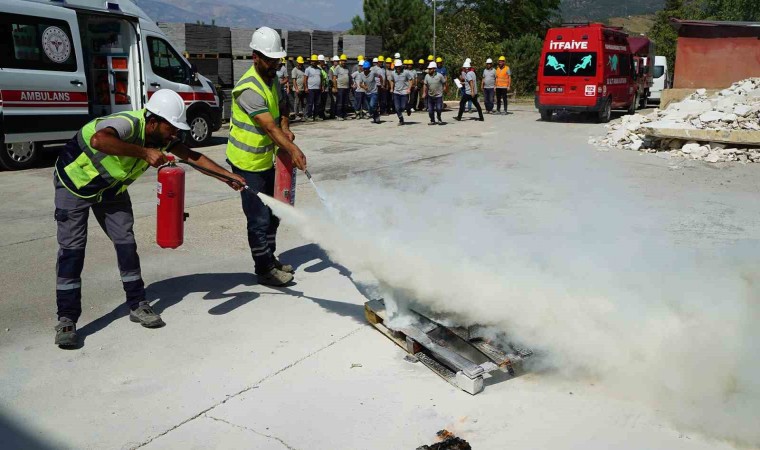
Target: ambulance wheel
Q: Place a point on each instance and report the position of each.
(634, 104)
(20, 155)
(200, 130)
(546, 115)
(606, 112)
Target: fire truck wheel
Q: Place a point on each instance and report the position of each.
(606, 112)
(20, 155)
(546, 115)
(200, 130)
(634, 104)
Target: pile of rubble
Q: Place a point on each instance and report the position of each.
(734, 109)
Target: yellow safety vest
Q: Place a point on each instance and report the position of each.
(249, 147)
(87, 173)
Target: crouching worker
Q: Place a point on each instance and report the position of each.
(93, 172)
(259, 125)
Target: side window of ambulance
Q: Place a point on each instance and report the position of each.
(36, 43)
(165, 62)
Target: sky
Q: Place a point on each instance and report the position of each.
(321, 12)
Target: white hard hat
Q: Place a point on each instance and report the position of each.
(432, 65)
(267, 42)
(467, 61)
(321, 58)
(397, 56)
(466, 65)
(168, 105)
(336, 58)
(398, 63)
(489, 61)
(374, 59)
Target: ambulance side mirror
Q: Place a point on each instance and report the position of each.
(193, 73)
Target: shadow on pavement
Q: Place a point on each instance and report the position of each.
(13, 436)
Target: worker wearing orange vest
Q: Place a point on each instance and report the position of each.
(503, 83)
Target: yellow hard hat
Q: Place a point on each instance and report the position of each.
(283, 59)
(299, 60)
(430, 57)
(380, 58)
(409, 61)
(439, 59)
(421, 61)
(343, 57)
(501, 58)
(360, 57)
(389, 59)
(313, 57)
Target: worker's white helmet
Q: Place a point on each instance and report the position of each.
(168, 105)
(336, 58)
(466, 65)
(374, 60)
(432, 65)
(467, 61)
(321, 58)
(397, 56)
(489, 61)
(267, 42)
(397, 63)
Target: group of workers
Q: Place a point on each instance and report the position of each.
(95, 168)
(387, 85)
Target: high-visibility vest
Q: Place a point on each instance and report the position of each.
(249, 147)
(88, 173)
(503, 78)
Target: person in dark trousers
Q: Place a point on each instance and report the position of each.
(389, 68)
(469, 81)
(313, 81)
(401, 83)
(433, 90)
(370, 80)
(360, 94)
(503, 84)
(488, 85)
(342, 83)
(380, 70)
(324, 95)
(421, 72)
(260, 126)
(93, 172)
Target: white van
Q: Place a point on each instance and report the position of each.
(64, 62)
(661, 78)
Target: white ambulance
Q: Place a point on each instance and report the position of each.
(64, 62)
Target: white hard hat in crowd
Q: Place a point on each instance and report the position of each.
(397, 63)
(336, 58)
(321, 58)
(397, 56)
(467, 61)
(466, 65)
(489, 61)
(168, 105)
(374, 59)
(267, 42)
(432, 65)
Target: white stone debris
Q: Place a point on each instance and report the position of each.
(735, 108)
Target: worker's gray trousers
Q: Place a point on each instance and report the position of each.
(114, 214)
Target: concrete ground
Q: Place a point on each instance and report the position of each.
(241, 365)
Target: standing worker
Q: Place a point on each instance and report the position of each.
(503, 83)
(297, 77)
(401, 82)
(93, 171)
(434, 89)
(325, 86)
(259, 128)
(488, 85)
(341, 80)
(333, 88)
(369, 81)
(360, 94)
(282, 76)
(379, 69)
(313, 82)
(418, 85)
(469, 80)
(388, 91)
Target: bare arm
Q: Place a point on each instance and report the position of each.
(266, 122)
(107, 141)
(207, 163)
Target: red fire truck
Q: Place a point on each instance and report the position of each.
(587, 68)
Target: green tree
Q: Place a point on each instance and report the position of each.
(523, 57)
(406, 26)
(510, 18)
(735, 10)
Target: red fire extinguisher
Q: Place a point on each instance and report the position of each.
(170, 211)
(285, 178)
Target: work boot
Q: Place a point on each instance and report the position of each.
(145, 316)
(275, 277)
(457, 118)
(432, 122)
(66, 333)
(284, 267)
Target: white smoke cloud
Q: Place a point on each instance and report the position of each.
(573, 267)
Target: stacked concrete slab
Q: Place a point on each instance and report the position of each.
(241, 40)
(322, 43)
(299, 43)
